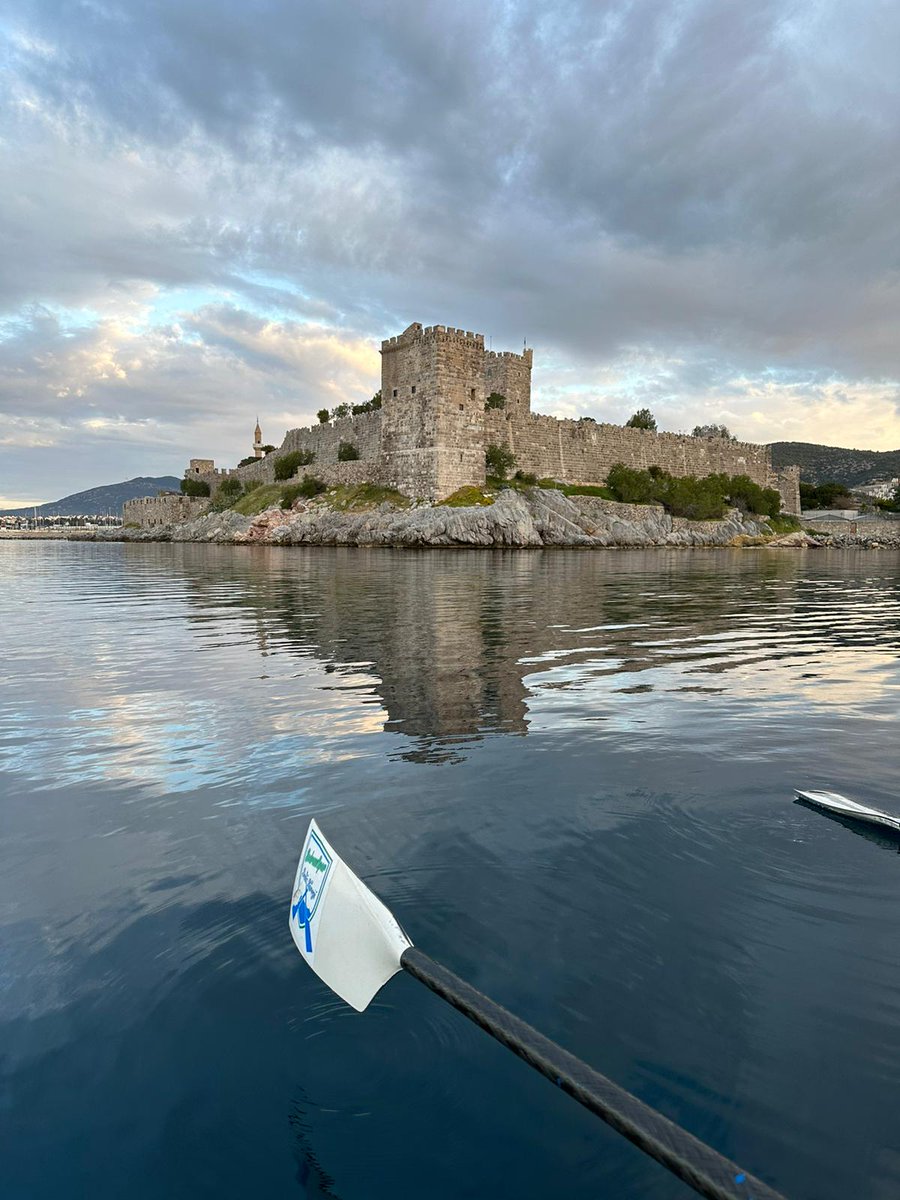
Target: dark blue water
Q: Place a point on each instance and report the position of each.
(568, 774)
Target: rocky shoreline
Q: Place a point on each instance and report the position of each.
(538, 517)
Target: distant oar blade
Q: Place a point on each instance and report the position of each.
(835, 803)
(344, 932)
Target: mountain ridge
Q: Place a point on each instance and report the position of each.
(96, 501)
(824, 464)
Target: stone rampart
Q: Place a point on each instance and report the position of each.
(871, 526)
(346, 474)
(150, 512)
(362, 431)
(584, 451)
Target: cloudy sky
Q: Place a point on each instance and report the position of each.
(213, 210)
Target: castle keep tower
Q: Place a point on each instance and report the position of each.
(432, 416)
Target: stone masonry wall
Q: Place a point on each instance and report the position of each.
(432, 433)
(149, 512)
(362, 431)
(583, 452)
(787, 480)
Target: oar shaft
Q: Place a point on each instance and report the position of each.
(706, 1171)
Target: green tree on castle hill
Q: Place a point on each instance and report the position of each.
(713, 431)
(642, 419)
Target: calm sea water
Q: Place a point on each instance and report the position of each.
(568, 774)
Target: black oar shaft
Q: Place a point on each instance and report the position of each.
(706, 1171)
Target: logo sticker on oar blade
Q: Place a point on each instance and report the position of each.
(312, 873)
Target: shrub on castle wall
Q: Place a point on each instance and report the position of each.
(286, 464)
(322, 414)
(713, 431)
(495, 400)
(748, 496)
(194, 487)
(347, 452)
(642, 419)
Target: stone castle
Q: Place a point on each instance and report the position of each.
(429, 437)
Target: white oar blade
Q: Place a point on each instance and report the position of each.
(342, 929)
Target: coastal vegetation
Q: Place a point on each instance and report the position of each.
(194, 487)
(703, 499)
(364, 496)
(286, 464)
(308, 487)
(258, 499)
(699, 499)
(830, 494)
(784, 523)
(468, 497)
(228, 491)
(499, 461)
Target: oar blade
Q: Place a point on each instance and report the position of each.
(344, 932)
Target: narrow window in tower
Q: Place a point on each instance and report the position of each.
(414, 389)
(472, 394)
(394, 392)
(461, 407)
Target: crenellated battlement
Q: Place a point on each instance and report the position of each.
(430, 334)
(525, 357)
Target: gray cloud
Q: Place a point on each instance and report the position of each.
(706, 187)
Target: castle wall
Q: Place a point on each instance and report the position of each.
(583, 452)
(150, 512)
(362, 431)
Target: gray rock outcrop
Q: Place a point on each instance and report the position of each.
(538, 517)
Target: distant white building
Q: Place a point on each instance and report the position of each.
(882, 490)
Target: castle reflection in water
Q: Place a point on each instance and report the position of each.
(456, 643)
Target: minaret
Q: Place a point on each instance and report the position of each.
(257, 440)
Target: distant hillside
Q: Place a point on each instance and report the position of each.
(819, 464)
(95, 501)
